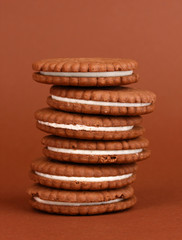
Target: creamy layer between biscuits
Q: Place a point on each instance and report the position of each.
(88, 74)
(78, 127)
(94, 152)
(85, 128)
(76, 204)
(98, 103)
(85, 179)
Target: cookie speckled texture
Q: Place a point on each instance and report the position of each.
(49, 115)
(104, 101)
(44, 193)
(85, 65)
(80, 176)
(60, 145)
(85, 81)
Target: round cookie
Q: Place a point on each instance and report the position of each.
(74, 176)
(95, 152)
(85, 71)
(81, 202)
(104, 101)
(93, 127)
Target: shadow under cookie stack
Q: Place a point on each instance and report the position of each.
(96, 137)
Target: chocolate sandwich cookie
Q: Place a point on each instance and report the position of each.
(105, 101)
(81, 202)
(81, 126)
(85, 71)
(74, 176)
(100, 152)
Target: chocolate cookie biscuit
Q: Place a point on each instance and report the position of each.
(83, 126)
(74, 176)
(81, 202)
(100, 152)
(85, 71)
(104, 101)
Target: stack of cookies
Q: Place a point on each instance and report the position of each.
(96, 137)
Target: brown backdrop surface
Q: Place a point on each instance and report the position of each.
(148, 31)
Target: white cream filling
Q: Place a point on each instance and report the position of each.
(98, 103)
(76, 204)
(95, 152)
(85, 128)
(85, 179)
(88, 74)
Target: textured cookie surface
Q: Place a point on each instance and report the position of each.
(85, 71)
(81, 202)
(86, 81)
(99, 152)
(84, 65)
(105, 101)
(81, 126)
(81, 176)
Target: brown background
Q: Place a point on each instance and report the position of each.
(148, 31)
